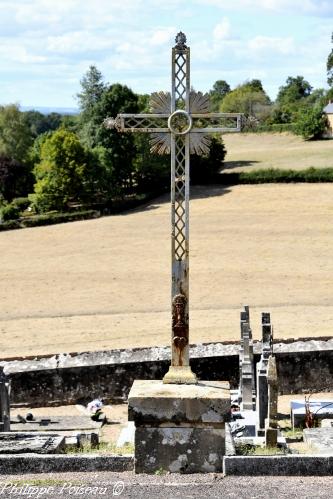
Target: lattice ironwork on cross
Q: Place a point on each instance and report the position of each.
(180, 76)
(179, 124)
(180, 198)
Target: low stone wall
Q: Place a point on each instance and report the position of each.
(290, 465)
(304, 365)
(58, 463)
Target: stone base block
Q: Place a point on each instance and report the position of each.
(179, 450)
(151, 402)
(179, 428)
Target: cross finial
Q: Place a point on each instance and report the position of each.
(180, 40)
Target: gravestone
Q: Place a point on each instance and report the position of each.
(4, 401)
(170, 432)
(37, 443)
(262, 385)
(246, 364)
(271, 422)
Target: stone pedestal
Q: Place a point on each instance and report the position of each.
(179, 428)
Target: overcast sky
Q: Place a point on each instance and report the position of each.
(47, 45)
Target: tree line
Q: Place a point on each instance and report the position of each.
(54, 162)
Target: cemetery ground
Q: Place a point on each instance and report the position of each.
(103, 284)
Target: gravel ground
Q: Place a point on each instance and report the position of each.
(130, 485)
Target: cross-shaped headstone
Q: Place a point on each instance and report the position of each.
(179, 125)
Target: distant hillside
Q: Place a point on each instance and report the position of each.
(48, 110)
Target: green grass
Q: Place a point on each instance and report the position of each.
(248, 450)
(40, 482)
(103, 448)
(289, 432)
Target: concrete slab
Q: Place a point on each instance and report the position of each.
(57, 423)
(320, 439)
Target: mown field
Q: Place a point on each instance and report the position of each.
(251, 151)
(105, 283)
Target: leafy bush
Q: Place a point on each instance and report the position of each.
(9, 212)
(55, 218)
(204, 168)
(311, 123)
(10, 225)
(274, 127)
(21, 203)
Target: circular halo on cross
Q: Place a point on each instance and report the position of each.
(180, 122)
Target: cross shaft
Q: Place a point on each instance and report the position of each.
(179, 126)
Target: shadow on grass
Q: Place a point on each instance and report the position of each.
(231, 165)
(196, 192)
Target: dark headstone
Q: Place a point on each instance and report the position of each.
(4, 401)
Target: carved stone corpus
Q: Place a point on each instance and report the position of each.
(179, 124)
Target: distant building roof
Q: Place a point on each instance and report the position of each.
(329, 108)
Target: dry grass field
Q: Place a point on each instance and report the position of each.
(104, 283)
(250, 151)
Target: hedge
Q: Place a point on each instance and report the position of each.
(49, 219)
(273, 175)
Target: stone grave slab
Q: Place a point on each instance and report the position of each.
(57, 423)
(326, 423)
(320, 439)
(21, 443)
(322, 409)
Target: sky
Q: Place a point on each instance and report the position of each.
(46, 46)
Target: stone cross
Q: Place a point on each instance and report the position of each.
(179, 124)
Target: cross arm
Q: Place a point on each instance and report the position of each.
(216, 122)
(138, 123)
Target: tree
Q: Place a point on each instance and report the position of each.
(255, 85)
(295, 89)
(65, 172)
(293, 98)
(15, 134)
(246, 99)
(121, 150)
(41, 123)
(92, 90)
(330, 67)
(220, 89)
(311, 123)
(16, 178)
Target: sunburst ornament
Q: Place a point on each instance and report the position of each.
(160, 103)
